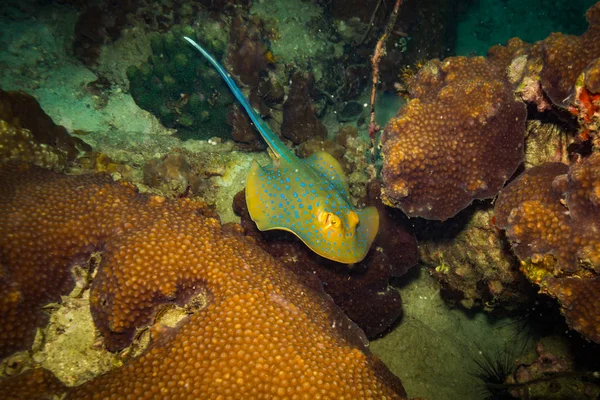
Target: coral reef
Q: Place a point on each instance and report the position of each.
(98, 25)
(172, 175)
(565, 57)
(28, 132)
(299, 120)
(586, 104)
(552, 376)
(103, 22)
(551, 215)
(33, 384)
(362, 292)
(179, 87)
(459, 138)
(473, 264)
(32, 278)
(256, 329)
(243, 131)
(249, 54)
(468, 254)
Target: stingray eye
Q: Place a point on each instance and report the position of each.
(332, 220)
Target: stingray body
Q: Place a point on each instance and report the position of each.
(308, 197)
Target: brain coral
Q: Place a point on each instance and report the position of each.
(459, 138)
(260, 334)
(551, 214)
(566, 56)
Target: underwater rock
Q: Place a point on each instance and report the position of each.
(551, 214)
(300, 122)
(98, 25)
(459, 138)
(312, 146)
(164, 15)
(349, 111)
(552, 376)
(172, 175)
(243, 131)
(257, 330)
(271, 91)
(221, 5)
(249, 54)
(101, 23)
(547, 140)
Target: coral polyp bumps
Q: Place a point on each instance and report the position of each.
(462, 136)
(258, 321)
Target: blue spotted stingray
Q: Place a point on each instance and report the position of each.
(307, 197)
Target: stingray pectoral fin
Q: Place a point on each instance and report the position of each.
(367, 228)
(326, 166)
(256, 195)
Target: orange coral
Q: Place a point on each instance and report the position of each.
(459, 138)
(34, 384)
(261, 333)
(37, 245)
(551, 214)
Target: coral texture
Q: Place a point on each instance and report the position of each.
(586, 104)
(34, 384)
(472, 262)
(38, 245)
(459, 138)
(566, 56)
(43, 142)
(258, 333)
(172, 174)
(179, 87)
(248, 51)
(551, 214)
(19, 144)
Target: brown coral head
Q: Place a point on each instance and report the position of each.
(459, 139)
(565, 57)
(551, 214)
